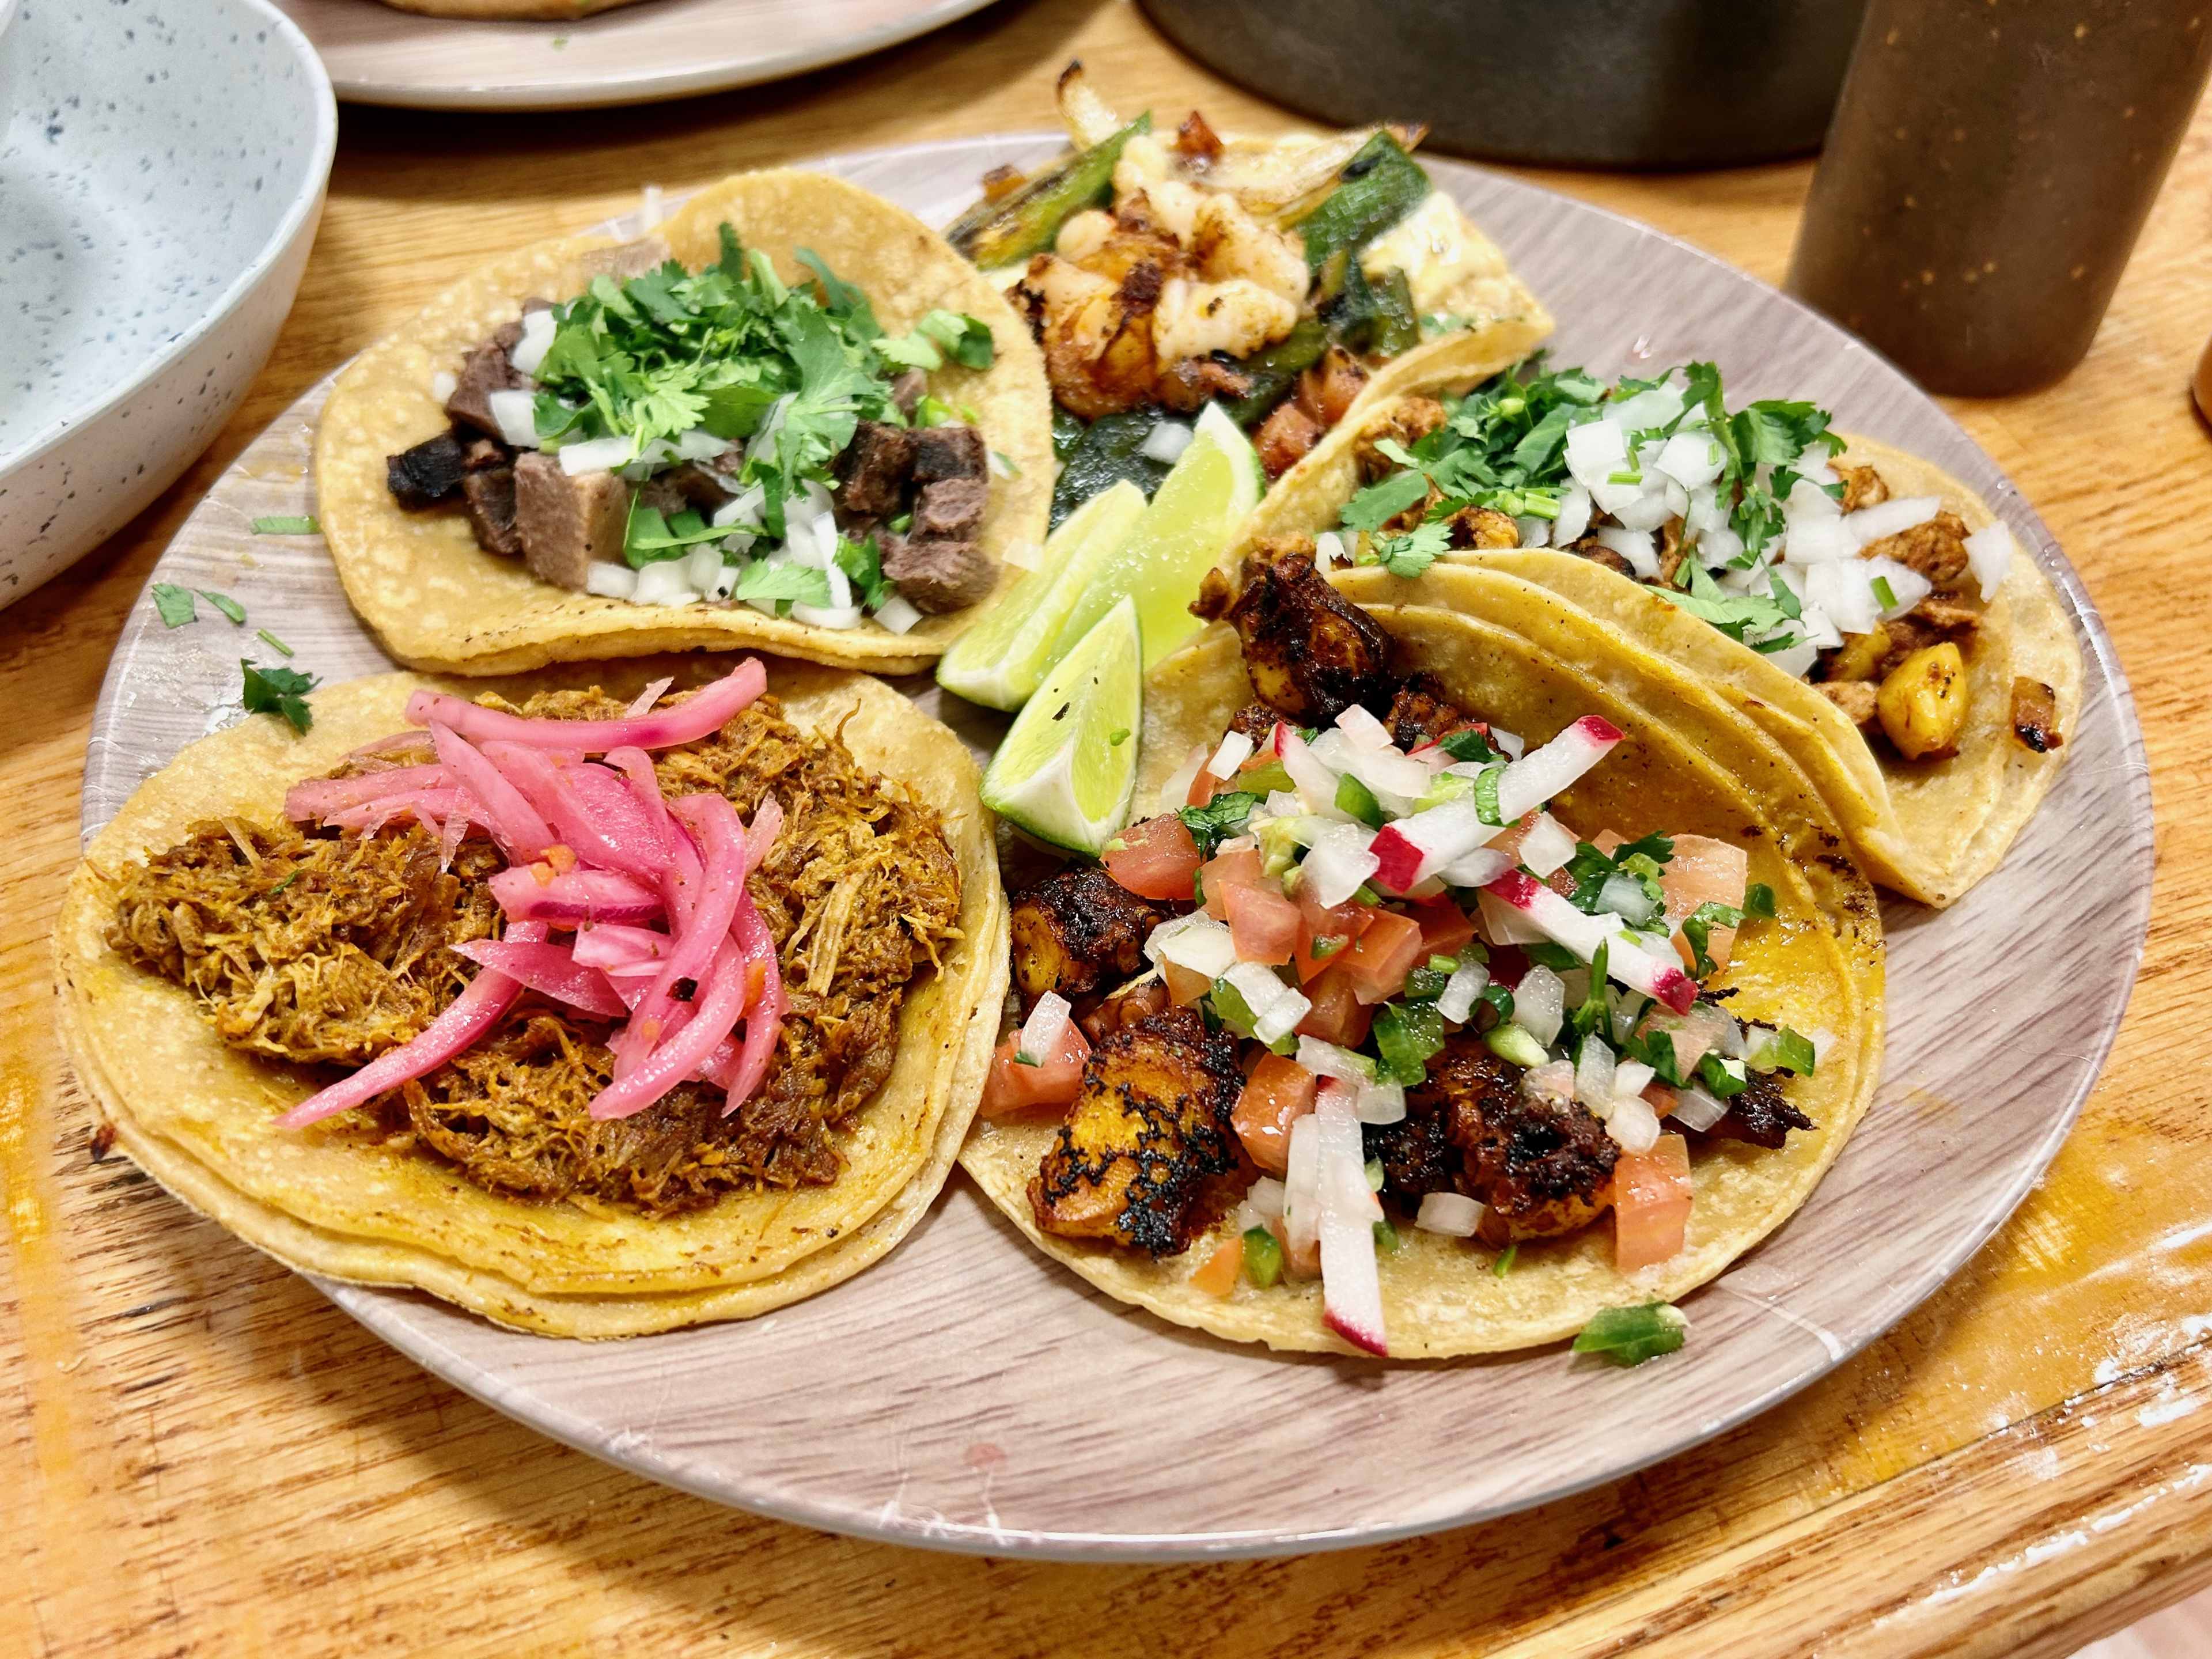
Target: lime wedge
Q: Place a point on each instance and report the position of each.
(1003, 656)
(1196, 510)
(1068, 764)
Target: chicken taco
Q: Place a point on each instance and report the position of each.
(591, 1015)
(790, 418)
(1467, 990)
(1282, 278)
(1866, 610)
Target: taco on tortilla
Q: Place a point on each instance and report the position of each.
(590, 1016)
(1867, 611)
(1467, 990)
(790, 418)
(1283, 278)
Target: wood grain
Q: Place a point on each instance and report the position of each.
(206, 1457)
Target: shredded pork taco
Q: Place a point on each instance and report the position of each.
(792, 417)
(1283, 278)
(1865, 609)
(592, 1016)
(1467, 989)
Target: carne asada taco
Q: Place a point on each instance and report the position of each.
(1280, 277)
(791, 418)
(1468, 984)
(1866, 610)
(591, 1046)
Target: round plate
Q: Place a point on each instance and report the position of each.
(162, 174)
(967, 1393)
(636, 54)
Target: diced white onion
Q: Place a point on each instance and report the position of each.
(529, 350)
(762, 442)
(1266, 1198)
(594, 454)
(1990, 553)
(1596, 451)
(1547, 846)
(1631, 1077)
(743, 508)
(1456, 1002)
(1363, 731)
(1633, 545)
(1453, 1214)
(1337, 864)
(1380, 1102)
(1594, 1076)
(1532, 532)
(841, 587)
(1552, 1084)
(1892, 517)
(649, 213)
(611, 582)
(699, 444)
(1330, 1059)
(1166, 442)
(1692, 459)
(1330, 551)
(1816, 539)
(515, 413)
(1195, 942)
(443, 385)
(1540, 1004)
(1633, 1123)
(664, 582)
(1235, 749)
(1698, 1109)
(1656, 406)
(1175, 793)
(1796, 659)
(898, 615)
(1042, 1031)
(702, 567)
(1907, 586)
(1844, 591)
(1574, 517)
(1625, 896)
(820, 616)
(1023, 555)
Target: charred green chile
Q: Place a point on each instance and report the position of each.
(1008, 231)
(1097, 457)
(1378, 186)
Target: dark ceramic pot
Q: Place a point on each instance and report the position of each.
(1618, 83)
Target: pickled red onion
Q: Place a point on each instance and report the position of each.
(549, 970)
(705, 711)
(316, 797)
(518, 828)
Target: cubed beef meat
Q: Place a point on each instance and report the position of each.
(428, 473)
(937, 575)
(486, 370)
(566, 523)
(948, 452)
(687, 486)
(873, 471)
(950, 510)
(488, 493)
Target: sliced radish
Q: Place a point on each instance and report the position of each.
(1351, 1287)
(1529, 782)
(1626, 960)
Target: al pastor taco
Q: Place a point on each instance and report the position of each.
(591, 1016)
(1467, 990)
(1283, 278)
(790, 418)
(1867, 611)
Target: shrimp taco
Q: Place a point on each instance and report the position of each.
(791, 418)
(1866, 610)
(1282, 278)
(1468, 989)
(592, 1016)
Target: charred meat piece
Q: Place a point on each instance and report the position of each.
(2035, 714)
(937, 574)
(1256, 721)
(1541, 1167)
(1327, 389)
(1417, 1154)
(1862, 487)
(1411, 420)
(1599, 554)
(1189, 383)
(948, 452)
(688, 486)
(874, 470)
(1144, 1138)
(1422, 712)
(1311, 653)
(426, 474)
(1078, 933)
(1197, 142)
(567, 522)
(1285, 438)
(488, 494)
(1859, 700)
(951, 509)
(1937, 549)
(1139, 1000)
(1759, 1114)
(485, 370)
(1482, 526)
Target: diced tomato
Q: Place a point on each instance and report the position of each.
(1205, 785)
(1278, 1094)
(1185, 985)
(1155, 859)
(1218, 1276)
(1446, 930)
(1703, 872)
(1338, 1015)
(1239, 866)
(1015, 1087)
(1342, 923)
(1263, 925)
(1384, 953)
(1650, 1204)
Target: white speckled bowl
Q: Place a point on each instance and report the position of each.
(161, 175)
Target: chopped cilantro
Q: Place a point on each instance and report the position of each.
(1885, 593)
(286, 524)
(1723, 1077)
(278, 691)
(175, 604)
(1697, 927)
(1629, 1336)
(1468, 744)
(1377, 505)
(1219, 819)
(863, 562)
(1504, 1265)
(1408, 555)
(1782, 1050)
(274, 643)
(1758, 900)
(230, 607)
(782, 584)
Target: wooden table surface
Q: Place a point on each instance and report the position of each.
(201, 1456)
